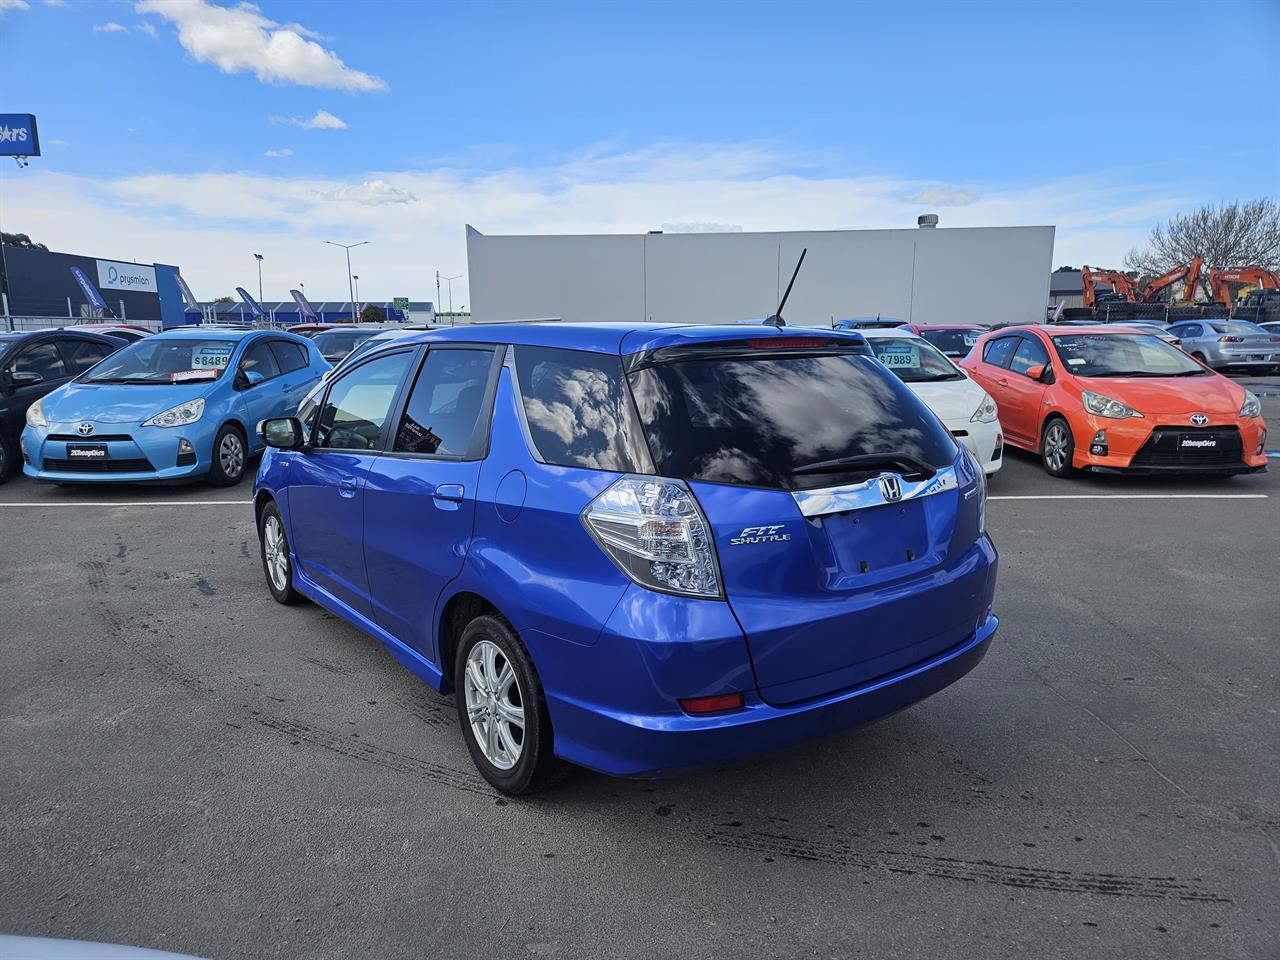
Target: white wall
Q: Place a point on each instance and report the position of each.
(960, 275)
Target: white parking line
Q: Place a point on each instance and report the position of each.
(1135, 496)
(134, 503)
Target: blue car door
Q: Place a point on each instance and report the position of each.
(258, 381)
(327, 478)
(420, 495)
(297, 376)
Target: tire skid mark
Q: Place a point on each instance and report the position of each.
(430, 712)
(971, 871)
(368, 753)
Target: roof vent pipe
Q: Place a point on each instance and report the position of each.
(927, 221)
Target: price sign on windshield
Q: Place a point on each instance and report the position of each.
(210, 356)
(899, 355)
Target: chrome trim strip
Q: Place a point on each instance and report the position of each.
(869, 493)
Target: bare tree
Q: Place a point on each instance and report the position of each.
(1234, 234)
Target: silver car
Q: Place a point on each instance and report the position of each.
(1224, 344)
(1155, 329)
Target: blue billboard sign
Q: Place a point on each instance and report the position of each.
(90, 291)
(18, 136)
(249, 302)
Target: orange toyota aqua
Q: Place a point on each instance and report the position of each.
(1109, 399)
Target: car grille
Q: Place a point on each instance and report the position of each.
(91, 438)
(1164, 448)
(139, 465)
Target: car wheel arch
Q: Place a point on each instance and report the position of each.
(1049, 417)
(458, 611)
(260, 502)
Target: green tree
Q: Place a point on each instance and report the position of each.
(224, 300)
(21, 240)
(372, 313)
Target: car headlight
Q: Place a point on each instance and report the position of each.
(35, 414)
(178, 416)
(1106, 407)
(986, 412)
(1252, 406)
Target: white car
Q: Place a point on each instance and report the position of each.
(963, 407)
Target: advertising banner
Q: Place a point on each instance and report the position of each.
(249, 302)
(137, 277)
(90, 291)
(187, 295)
(18, 136)
(304, 305)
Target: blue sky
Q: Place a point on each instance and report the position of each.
(186, 131)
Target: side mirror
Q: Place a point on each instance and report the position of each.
(25, 378)
(1035, 372)
(283, 433)
(253, 377)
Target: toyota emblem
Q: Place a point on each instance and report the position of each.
(1199, 419)
(891, 489)
(85, 429)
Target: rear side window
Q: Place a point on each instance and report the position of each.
(290, 356)
(998, 352)
(83, 354)
(577, 408)
(754, 422)
(1029, 353)
(443, 412)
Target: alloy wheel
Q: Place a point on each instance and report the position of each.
(1055, 446)
(277, 556)
(495, 706)
(231, 455)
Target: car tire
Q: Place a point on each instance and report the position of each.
(515, 757)
(8, 459)
(230, 457)
(273, 546)
(1057, 448)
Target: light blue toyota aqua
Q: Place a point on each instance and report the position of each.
(179, 405)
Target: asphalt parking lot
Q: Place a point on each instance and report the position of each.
(188, 766)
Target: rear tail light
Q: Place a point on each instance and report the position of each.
(1177, 343)
(717, 704)
(1231, 339)
(652, 528)
(789, 343)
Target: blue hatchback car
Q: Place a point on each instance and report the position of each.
(638, 548)
(178, 405)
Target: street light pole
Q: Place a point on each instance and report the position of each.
(350, 284)
(449, 281)
(357, 280)
(258, 257)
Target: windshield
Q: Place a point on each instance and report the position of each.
(956, 343)
(336, 344)
(1238, 328)
(759, 422)
(1123, 355)
(913, 360)
(165, 360)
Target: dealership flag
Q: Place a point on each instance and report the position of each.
(304, 305)
(251, 303)
(187, 295)
(90, 291)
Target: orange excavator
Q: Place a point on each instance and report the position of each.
(1188, 275)
(1122, 286)
(1221, 278)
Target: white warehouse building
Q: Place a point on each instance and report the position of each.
(981, 275)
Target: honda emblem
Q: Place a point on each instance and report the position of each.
(891, 489)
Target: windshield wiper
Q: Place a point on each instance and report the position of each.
(893, 460)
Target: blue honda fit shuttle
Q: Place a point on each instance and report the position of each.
(177, 405)
(642, 549)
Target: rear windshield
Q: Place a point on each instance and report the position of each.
(954, 342)
(754, 422)
(1238, 328)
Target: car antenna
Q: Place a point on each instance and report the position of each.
(776, 320)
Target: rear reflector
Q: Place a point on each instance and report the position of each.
(717, 704)
(791, 343)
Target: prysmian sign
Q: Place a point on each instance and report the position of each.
(126, 276)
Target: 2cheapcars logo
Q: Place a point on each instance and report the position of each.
(13, 134)
(760, 535)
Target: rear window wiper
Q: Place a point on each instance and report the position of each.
(895, 461)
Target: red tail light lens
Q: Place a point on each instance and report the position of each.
(1176, 342)
(716, 704)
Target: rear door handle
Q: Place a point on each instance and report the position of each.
(347, 487)
(450, 491)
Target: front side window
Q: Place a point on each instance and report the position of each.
(576, 406)
(913, 360)
(1029, 353)
(83, 354)
(791, 422)
(443, 412)
(1123, 355)
(165, 360)
(43, 360)
(999, 352)
(359, 403)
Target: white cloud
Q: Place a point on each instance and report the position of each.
(323, 120)
(282, 152)
(940, 196)
(56, 3)
(59, 143)
(7, 5)
(239, 39)
(701, 228)
(110, 27)
(145, 27)
(415, 217)
(374, 192)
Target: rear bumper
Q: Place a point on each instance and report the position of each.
(631, 745)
